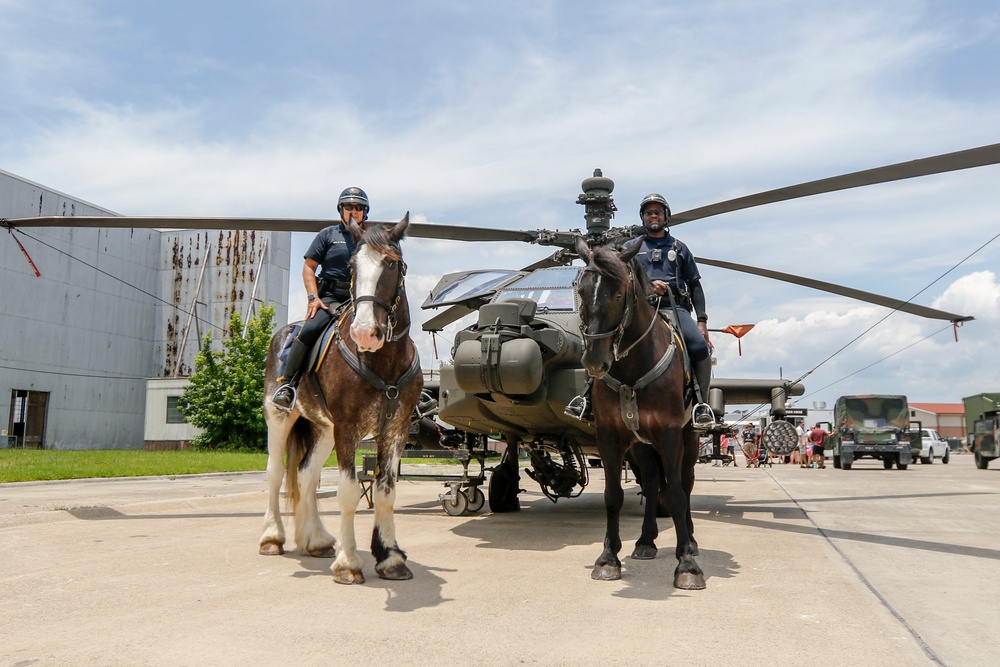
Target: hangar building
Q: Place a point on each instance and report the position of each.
(115, 310)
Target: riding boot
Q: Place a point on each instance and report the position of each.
(702, 416)
(284, 397)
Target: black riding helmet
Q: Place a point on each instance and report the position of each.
(654, 198)
(353, 195)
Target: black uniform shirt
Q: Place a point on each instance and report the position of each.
(332, 249)
(663, 268)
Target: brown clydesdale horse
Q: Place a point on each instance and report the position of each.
(369, 384)
(639, 407)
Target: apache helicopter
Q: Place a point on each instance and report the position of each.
(516, 373)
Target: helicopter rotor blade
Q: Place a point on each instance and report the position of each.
(967, 159)
(173, 222)
(869, 297)
(426, 230)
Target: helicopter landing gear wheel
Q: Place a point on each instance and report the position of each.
(454, 503)
(476, 499)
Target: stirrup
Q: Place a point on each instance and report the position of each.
(576, 407)
(281, 405)
(702, 416)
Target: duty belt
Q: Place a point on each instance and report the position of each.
(339, 288)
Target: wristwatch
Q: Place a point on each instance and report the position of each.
(310, 297)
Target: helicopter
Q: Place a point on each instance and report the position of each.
(515, 372)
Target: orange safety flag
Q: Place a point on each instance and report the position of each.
(738, 330)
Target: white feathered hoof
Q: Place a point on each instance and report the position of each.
(323, 552)
(348, 577)
(271, 549)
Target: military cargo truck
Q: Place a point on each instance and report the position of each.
(982, 425)
(873, 425)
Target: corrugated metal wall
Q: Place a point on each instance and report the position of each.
(110, 310)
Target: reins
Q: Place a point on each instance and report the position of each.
(628, 401)
(390, 392)
(627, 315)
(391, 335)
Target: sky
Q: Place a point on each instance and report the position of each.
(491, 114)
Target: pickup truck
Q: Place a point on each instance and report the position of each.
(932, 446)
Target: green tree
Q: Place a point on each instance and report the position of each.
(226, 393)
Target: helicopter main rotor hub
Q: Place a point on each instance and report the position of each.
(599, 205)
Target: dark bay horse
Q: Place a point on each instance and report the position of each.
(369, 382)
(639, 407)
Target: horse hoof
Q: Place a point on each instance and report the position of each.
(606, 573)
(398, 572)
(689, 581)
(271, 549)
(323, 552)
(644, 552)
(348, 577)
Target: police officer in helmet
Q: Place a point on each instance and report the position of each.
(670, 266)
(326, 288)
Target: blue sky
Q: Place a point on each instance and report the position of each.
(492, 115)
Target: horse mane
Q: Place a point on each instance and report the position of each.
(607, 263)
(377, 237)
(644, 285)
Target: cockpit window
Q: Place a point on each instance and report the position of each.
(551, 289)
(474, 284)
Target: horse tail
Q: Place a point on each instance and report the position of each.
(298, 448)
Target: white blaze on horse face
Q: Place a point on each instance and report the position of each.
(365, 329)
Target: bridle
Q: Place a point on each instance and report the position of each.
(628, 401)
(631, 299)
(390, 308)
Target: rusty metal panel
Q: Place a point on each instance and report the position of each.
(213, 273)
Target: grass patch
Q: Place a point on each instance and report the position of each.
(32, 465)
(27, 465)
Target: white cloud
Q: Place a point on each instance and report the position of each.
(977, 294)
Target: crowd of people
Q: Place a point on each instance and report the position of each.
(810, 452)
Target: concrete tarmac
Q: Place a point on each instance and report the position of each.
(804, 567)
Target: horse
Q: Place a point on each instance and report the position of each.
(372, 378)
(639, 407)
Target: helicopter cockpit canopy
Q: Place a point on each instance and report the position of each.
(551, 289)
(463, 286)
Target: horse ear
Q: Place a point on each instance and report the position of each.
(627, 254)
(583, 250)
(399, 229)
(355, 230)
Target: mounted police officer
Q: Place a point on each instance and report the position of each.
(670, 267)
(327, 289)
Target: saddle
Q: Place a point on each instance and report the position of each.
(319, 349)
(331, 335)
(668, 316)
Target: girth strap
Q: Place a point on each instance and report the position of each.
(390, 393)
(628, 403)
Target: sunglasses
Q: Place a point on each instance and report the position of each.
(354, 207)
